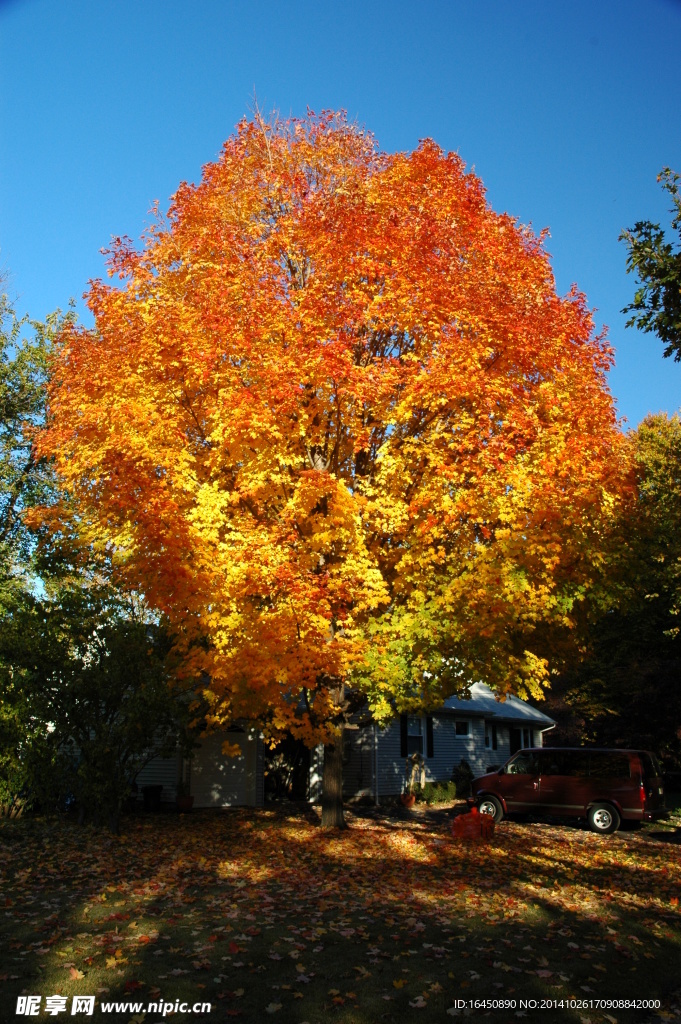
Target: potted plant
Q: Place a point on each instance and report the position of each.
(184, 800)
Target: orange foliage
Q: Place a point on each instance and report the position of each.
(337, 422)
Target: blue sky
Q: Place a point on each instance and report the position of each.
(566, 110)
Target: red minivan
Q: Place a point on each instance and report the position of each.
(603, 786)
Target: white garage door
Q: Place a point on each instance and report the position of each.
(219, 781)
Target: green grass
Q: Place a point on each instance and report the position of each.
(264, 915)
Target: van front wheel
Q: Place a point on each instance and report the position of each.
(490, 805)
(603, 818)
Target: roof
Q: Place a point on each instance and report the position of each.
(483, 703)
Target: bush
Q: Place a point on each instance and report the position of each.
(462, 777)
(436, 793)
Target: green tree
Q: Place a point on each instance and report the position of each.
(86, 694)
(25, 479)
(657, 302)
(626, 690)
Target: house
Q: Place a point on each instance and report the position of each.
(482, 731)
(213, 779)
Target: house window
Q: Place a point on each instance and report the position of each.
(528, 738)
(461, 728)
(491, 735)
(414, 735)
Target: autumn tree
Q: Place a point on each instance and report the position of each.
(338, 426)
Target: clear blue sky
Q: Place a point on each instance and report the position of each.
(567, 110)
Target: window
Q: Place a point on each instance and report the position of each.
(523, 764)
(651, 766)
(461, 728)
(414, 735)
(556, 762)
(491, 735)
(607, 764)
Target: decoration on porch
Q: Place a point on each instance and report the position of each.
(415, 778)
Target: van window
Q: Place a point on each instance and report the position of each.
(651, 766)
(554, 762)
(524, 763)
(574, 763)
(607, 764)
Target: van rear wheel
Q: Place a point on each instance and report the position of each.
(490, 805)
(603, 818)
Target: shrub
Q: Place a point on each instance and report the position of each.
(462, 777)
(436, 793)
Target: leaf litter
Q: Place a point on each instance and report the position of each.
(262, 912)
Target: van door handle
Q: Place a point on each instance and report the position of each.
(535, 785)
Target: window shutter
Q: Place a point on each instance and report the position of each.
(429, 736)
(403, 735)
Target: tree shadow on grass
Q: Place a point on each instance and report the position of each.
(384, 922)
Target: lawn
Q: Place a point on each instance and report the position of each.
(262, 914)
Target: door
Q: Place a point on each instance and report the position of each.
(518, 783)
(652, 782)
(565, 785)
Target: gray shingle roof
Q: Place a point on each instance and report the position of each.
(484, 704)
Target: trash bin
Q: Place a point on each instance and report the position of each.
(152, 797)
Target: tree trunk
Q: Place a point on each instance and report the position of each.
(332, 784)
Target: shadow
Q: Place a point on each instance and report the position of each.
(666, 837)
(392, 911)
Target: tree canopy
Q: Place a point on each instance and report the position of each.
(657, 303)
(24, 478)
(86, 693)
(87, 699)
(626, 689)
(337, 425)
